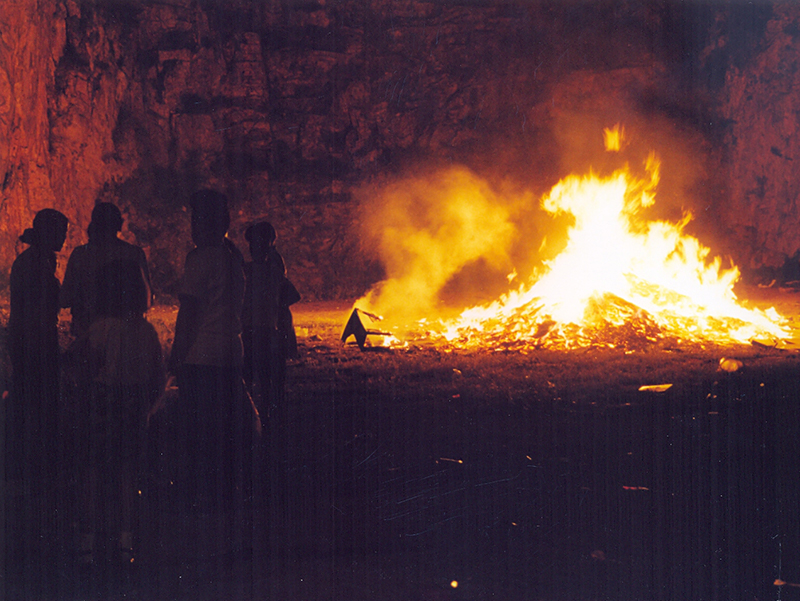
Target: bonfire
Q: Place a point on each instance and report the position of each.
(620, 281)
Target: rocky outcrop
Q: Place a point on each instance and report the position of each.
(31, 44)
(292, 107)
(761, 102)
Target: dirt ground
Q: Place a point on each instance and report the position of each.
(427, 474)
(432, 474)
(551, 475)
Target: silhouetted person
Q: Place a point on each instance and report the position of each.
(33, 344)
(79, 290)
(268, 337)
(123, 378)
(215, 437)
(32, 411)
(264, 332)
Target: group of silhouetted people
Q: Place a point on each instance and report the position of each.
(92, 411)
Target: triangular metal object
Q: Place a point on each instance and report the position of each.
(354, 327)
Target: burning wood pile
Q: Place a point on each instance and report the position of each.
(621, 281)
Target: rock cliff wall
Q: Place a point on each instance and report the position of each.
(32, 37)
(295, 108)
(761, 102)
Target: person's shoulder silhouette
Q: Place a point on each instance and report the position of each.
(80, 287)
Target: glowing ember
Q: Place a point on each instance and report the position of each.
(619, 282)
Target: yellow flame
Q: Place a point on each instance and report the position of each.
(650, 280)
(613, 138)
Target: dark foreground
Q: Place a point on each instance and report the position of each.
(515, 476)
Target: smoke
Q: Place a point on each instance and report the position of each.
(439, 230)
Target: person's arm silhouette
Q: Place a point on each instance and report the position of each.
(187, 325)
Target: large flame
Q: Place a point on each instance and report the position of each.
(621, 281)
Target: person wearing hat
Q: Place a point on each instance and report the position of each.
(33, 322)
(32, 411)
(85, 265)
(33, 319)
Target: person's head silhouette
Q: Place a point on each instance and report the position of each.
(210, 218)
(48, 232)
(106, 222)
(261, 237)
